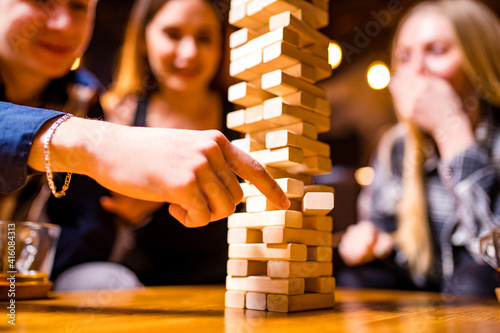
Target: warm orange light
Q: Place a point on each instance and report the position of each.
(378, 75)
(364, 176)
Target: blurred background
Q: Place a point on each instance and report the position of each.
(360, 112)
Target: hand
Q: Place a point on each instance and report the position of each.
(363, 243)
(193, 170)
(432, 104)
(130, 210)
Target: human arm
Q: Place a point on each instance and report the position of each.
(193, 170)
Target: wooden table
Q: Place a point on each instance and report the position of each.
(201, 309)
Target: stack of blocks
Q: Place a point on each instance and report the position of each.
(281, 260)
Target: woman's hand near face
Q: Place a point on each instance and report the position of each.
(432, 104)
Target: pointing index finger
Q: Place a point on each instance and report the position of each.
(250, 169)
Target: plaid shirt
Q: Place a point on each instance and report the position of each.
(462, 196)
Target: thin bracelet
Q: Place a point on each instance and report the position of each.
(48, 172)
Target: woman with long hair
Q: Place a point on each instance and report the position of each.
(436, 186)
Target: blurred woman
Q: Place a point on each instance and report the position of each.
(436, 186)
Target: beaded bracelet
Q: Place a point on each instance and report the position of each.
(48, 172)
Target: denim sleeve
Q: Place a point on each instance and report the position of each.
(18, 127)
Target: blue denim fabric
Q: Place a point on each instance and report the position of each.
(18, 127)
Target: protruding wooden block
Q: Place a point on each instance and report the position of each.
(278, 6)
(262, 204)
(235, 299)
(293, 188)
(317, 50)
(319, 253)
(323, 223)
(313, 165)
(324, 284)
(285, 218)
(256, 301)
(323, 107)
(282, 55)
(285, 114)
(301, 98)
(280, 235)
(285, 303)
(281, 34)
(302, 71)
(248, 145)
(280, 83)
(242, 267)
(247, 95)
(322, 4)
(238, 17)
(284, 138)
(318, 188)
(243, 236)
(294, 252)
(264, 284)
(254, 116)
(308, 35)
(235, 119)
(317, 203)
(289, 269)
(280, 157)
(240, 37)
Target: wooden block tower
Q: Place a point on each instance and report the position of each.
(281, 260)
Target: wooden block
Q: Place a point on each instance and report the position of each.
(278, 6)
(322, 4)
(285, 218)
(320, 284)
(302, 71)
(254, 114)
(235, 119)
(280, 83)
(242, 267)
(245, 94)
(235, 299)
(248, 145)
(284, 138)
(302, 99)
(285, 114)
(308, 35)
(304, 302)
(281, 34)
(243, 236)
(240, 37)
(318, 188)
(280, 157)
(238, 17)
(239, 70)
(305, 16)
(323, 107)
(305, 269)
(278, 173)
(256, 301)
(282, 55)
(319, 253)
(293, 188)
(323, 223)
(313, 165)
(317, 203)
(264, 284)
(318, 50)
(280, 235)
(262, 204)
(294, 252)
(301, 128)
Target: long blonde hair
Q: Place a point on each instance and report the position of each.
(478, 33)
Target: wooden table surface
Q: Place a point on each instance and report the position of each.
(201, 309)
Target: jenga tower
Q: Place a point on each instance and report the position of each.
(281, 260)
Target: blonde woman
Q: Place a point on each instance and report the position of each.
(436, 186)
